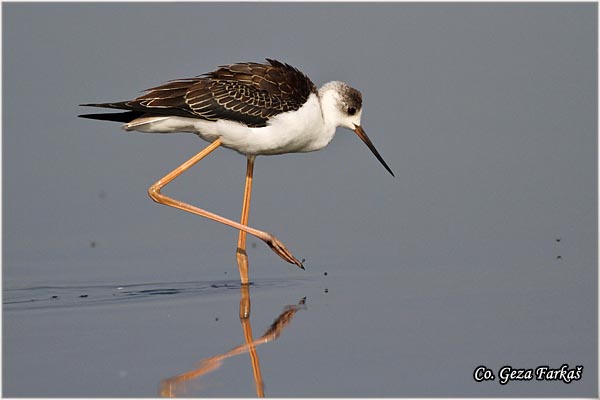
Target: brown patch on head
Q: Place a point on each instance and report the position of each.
(353, 98)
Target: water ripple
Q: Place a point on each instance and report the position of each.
(76, 296)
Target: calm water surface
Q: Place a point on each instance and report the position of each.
(416, 331)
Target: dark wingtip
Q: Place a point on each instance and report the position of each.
(102, 105)
(123, 117)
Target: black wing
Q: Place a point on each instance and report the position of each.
(250, 93)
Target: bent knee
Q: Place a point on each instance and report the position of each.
(154, 193)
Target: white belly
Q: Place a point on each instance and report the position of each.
(292, 132)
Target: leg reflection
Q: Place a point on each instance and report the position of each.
(245, 320)
(175, 386)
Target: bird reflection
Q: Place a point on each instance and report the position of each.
(175, 386)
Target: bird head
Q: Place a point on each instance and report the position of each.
(347, 110)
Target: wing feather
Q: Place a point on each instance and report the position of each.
(250, 93)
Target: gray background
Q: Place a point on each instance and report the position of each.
(486, 113)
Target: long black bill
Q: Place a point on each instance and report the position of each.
(363, 136)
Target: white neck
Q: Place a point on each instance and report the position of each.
(328, 99)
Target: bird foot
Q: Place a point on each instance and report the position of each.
(282, 251)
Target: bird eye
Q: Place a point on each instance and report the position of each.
(351, 110)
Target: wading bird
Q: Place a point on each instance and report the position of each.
(252, 108)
